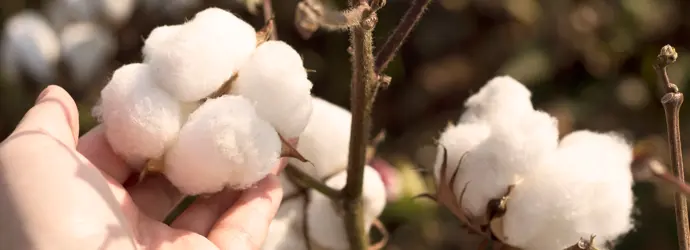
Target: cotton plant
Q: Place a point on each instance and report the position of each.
(29, 47)
(86, 49)
(113, 13)
(194, 98)
(507, 170)
(308, 219)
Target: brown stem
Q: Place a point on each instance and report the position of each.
(387, 52)
(268, 15)
(363, 82)
(672, 102)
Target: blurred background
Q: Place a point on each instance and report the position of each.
(587, 62)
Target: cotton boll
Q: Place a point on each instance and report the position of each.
(34, 45)
(140, 119)
(195, 61)
(223, 144)
(86, 49)
(289, 188)
(325, 141)
(458, 140)
(325, 224)
(63, 12)
(502, 100)
(586, 189)
(286, 231)
(116, 12)
(504, 158)
(158, 36)
(275, 79)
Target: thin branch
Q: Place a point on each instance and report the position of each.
(305, 180)
(179, 208)
(387, 52)
(268, 16)
(647, 168)
(672, 101)
(361, 90)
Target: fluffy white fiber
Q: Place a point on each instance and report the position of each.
(275, 79)
(325, 140)
(31, 46)
(563, 192)
(140, 119)
(206, 51)
(325, 224)
(286, 231)
(158, 36)
(223, 144)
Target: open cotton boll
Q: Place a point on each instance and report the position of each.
(286, 231)
(195, 61)
(275, 79)
(458, 140)
(158, 36)
(503, 100)
(140, 119)
(222, 144)
(34, 45)
(586, 189)
(325, 140)
(86, 49)
(62, 12)
(325, 225)
(504, 157)
(116, 12)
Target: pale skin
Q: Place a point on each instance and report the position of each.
(59, 191)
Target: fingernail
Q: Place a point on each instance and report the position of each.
(43, 94)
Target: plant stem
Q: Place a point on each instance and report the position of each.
(672, 101)
(387, 52)
(268, 15)
(303, 179)
(361, 90)
(182, 205)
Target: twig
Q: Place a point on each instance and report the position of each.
(361, 90)
(650, 167)
(387, 52)
(181, 205)
(305, 180)
(672, 100)
(268, 15)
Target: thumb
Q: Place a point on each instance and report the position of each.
(55, 114)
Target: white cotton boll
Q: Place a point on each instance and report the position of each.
(158, 36)
(34, 45)
(325, 140)
(116, 12)
(86, 49)
(195, 61)
(62, 12)
(275, 79)
(458, 140)
(503, 100)
(286, 231)
(325, 224)
(140, 119)
(502, 159)
(289, 188)
(222, 144)
(586, 189)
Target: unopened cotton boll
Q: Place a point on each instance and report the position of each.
(325, 226)
(325, 140)
(195, 61)
(275, 79)
(86, 49)
(504, 158)
(33, 46)
(158, 36)
(501, 100)
(223, 144)
(140, 119)
(286, 231)
(586, 189)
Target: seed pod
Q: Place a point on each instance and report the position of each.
(140, 119)
(222, 144)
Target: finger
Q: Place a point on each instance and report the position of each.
(95, 147)
(155, 196)
(54, 114)
(205, 211)
(245, 225)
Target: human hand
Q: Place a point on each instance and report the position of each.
(58, 191)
